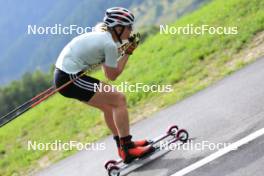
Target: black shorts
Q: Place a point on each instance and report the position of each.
(82, 88)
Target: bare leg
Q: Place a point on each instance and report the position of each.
(108, 116)
(117, 101)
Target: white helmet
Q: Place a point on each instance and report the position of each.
(118, 16)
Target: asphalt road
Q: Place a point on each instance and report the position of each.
(223, 113)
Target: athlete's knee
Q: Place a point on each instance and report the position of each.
(106, 108)
(120, 99)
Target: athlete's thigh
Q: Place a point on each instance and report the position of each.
(101, 106)
(105, 96)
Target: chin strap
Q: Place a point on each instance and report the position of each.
(119, 34)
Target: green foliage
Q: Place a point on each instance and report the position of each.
(18, 92)
(148, 31)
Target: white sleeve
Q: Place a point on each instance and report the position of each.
(111, 55)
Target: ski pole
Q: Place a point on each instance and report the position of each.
(33, 102)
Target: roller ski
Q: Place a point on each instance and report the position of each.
(135, 154)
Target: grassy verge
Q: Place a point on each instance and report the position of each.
(187, 62)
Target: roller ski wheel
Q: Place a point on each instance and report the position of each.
(182, 135)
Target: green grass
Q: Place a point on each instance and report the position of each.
(188, 63)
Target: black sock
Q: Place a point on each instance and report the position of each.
(126, 140)
(117, 140)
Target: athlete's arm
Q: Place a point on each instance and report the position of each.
(113, 73)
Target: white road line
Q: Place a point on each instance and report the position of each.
(219, 153)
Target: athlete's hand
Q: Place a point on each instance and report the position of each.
(133, 43)
(131, 48)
